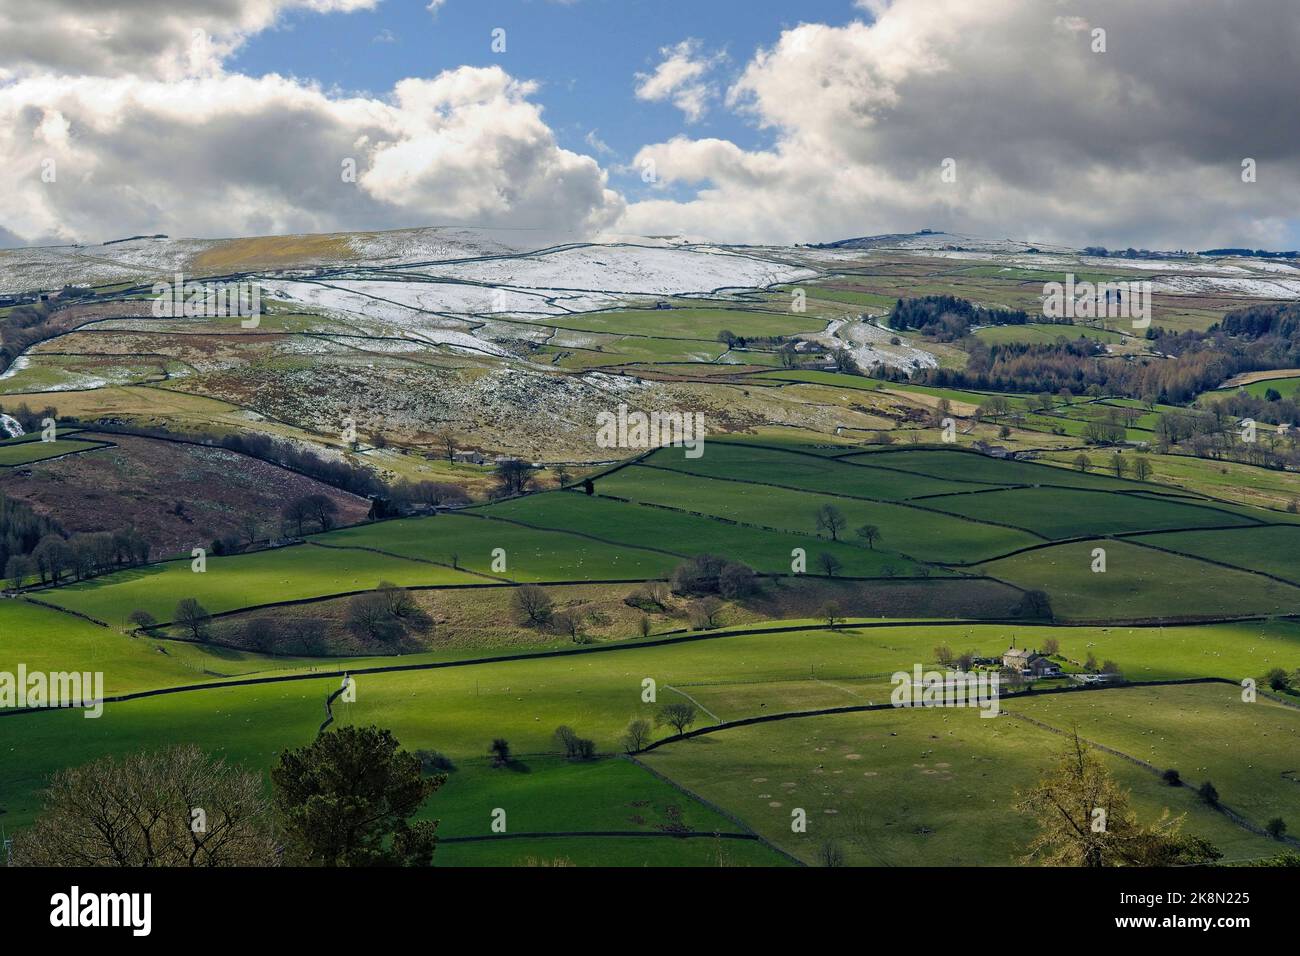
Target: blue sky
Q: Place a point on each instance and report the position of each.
(585, 55)
(849, 111)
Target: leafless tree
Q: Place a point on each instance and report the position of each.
(176, 807)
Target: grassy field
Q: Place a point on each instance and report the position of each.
(973, 467)
(46, 640)
(264, 577)
(1072, 513)
(530, 554)
(1199, 731)
(686, 534)
(905, 788)
(457, 710)
(920, 534)
(851, 477)
(700, 324)
(1041, 333)
(1141, 583)
(28, 452)
(1286, 387)
(1245, 484)
(886, 787)
(1275, 550)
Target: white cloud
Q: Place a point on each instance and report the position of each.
(187, 149)
(232, 155)
(681, 78)
(1140, 144)
(163, 38)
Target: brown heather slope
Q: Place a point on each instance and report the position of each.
(140, 482)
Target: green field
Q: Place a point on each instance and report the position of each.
(920, 534)
(1073, 513)
(1198, 730)
(969, 466)
(686, 534)
(1286, 387)
(700, 324)
(230, 583)
(886, 787)
(909, 788)
(1275, 550)
(1141, 583)
(28, 452)
(530, 554)
(850, 477)
(1041, 333)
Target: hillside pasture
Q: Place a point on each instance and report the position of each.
(919, 534)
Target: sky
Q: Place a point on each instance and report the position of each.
(1161, 124)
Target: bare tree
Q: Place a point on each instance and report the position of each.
(398, 602)
(445, 442)
(193, 617)
(869, 533)
(704, 613)
(637, 736)
(514, 477)
(832, 615)
(829, 564)
(571, 623)
(176, 807)
(831, 520)
(369, 617)
(533, 603)
(679, 715)
(321, 509)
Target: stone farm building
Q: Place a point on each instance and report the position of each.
(1030, 663)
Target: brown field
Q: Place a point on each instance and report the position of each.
(271, 252)
(479, 618)
(178, 496)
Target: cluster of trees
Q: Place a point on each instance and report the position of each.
(21, 529)
(574, 747)
(22, 328)
(536, 608)
(345, 799)
(56, 559)
(278, 634)
(314, 511)
(712, 574)
(1189, 363)
(386, 615)
(1118, 464)
(513, 477)
(1217, 433)
(947, 317)
(733, 341)
(407, 495)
